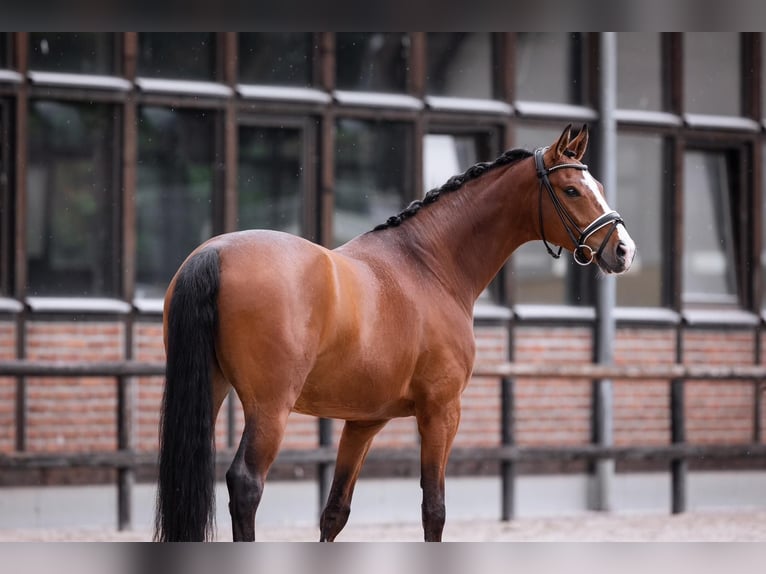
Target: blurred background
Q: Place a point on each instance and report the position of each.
(120, 152)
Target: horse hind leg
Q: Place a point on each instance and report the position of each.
(247, 474)
(354, 444)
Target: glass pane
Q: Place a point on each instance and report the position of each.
(445, 155)
(460, 64)
(4, 50)
(639, 71)
(373, 167)
(538, 277)
(712, 79)
(549, 67)
(763, 232)
(71, 238)
(708, 271)
(640, 188)
(177, 55)
(270, 178)
(273, 58)
(76, 52)
(174, 192)
(372, 62)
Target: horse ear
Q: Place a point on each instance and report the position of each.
(580, 143)
(562, 143)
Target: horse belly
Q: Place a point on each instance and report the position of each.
(357, 387)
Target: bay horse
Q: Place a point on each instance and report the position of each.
(379, 328)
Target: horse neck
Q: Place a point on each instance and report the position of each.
(466, 236)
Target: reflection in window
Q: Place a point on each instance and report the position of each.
(173, 193)
(176, 55)
(538, 277)
(712, 79)
(708, 263)
(71, 235)
(373, 167)
(550, 67)
(372, 62)
(270, 180)
(640, 166)
(460, 64)
(639, 71)
(283, 59)
(75, 52)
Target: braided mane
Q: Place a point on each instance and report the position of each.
(453, 184)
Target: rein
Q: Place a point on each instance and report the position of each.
(570, 225)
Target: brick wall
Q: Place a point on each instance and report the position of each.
(719, 411)
(78, 414)
(642, 408)
(72, 414)
(552, 412)
(7, 388)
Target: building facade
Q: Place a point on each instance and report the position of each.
(120, 152)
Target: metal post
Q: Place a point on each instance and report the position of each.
(507, 467)
(324, 469)
(125, 475)
(606, 288)
(679, 467)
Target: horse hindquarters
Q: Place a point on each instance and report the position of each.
(185, 495)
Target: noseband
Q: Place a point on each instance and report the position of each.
(570, 225)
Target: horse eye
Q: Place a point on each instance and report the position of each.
(571, 192)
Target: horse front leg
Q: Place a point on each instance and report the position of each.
(354, 444)
(437, 425)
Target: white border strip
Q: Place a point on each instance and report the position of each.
(552, 110)
(10, 76)
(77, 305)
(184, 87)
(378, 100)
(283, 93)
(79, 81)
(475, 105)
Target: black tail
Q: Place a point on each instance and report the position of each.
(185, 495)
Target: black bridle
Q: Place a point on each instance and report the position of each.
(570, 225)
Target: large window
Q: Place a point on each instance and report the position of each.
(460, 64)
(276, 58)
(174, 194)
(271, 178)
(75, 52)
(550, 67)
(641, 200)
(639, 71)
(372, 62)
(177, 55)
(712, 77)
(373, 172)
(71, 226)
(7, 215)
(709, 272)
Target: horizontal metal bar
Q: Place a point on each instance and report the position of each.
(126, 459)
(23, 368)
(626, 372)
(26, 368)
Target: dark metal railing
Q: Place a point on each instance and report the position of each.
(126, 459)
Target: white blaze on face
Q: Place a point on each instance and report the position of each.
(588, 182)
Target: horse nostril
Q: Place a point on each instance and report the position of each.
(621, 250)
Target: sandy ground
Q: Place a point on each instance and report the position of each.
(719, 526)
